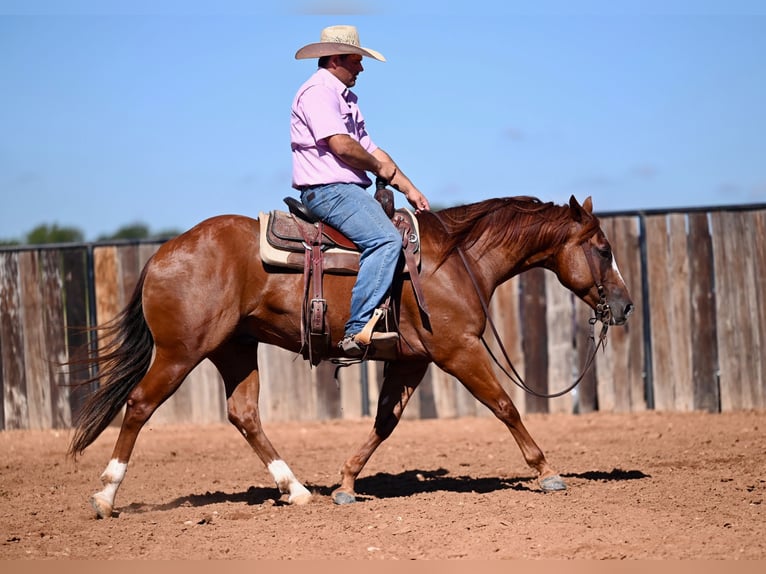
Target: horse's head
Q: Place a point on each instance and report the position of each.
(586, 265)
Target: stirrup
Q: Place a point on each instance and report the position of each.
(365, 335)
(352, 347)
(382, 346)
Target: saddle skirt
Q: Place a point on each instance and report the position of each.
(282, 242)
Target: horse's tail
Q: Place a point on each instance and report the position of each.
(120, 362)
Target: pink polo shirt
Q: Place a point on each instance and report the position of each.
(323, 107)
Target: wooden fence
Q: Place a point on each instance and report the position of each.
(698, 279)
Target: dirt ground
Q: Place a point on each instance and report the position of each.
(650, 485)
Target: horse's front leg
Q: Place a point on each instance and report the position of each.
(399, 383)
(472, 368)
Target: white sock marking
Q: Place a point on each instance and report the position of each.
(286, 480)
(111, 479)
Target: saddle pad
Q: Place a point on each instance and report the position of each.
(280, 250)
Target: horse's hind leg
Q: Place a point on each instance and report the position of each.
(400, 381)
(161, 380)
(238, 364)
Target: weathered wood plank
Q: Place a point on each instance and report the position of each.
(467, 405)
(445, 392)
(427, 400)
(129, 270)
(609, 386)
(535, 338)
(680, 305)
(737, 298)
(612, 362)
(628, 245)
(75, 286)
(106, 277)
(586, 397)
(759, 256)
(35, 363)
(287, 392)
(623, 359)
(328, 391)
(560, 333)
(660, 312)
(52, 288)
(375, 373)
(177, 409)
(703, 318)
(351, 394)
(15, 404)
(728, 289)
(751, 351)
(107, 289)
(208, 397)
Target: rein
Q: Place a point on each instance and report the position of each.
(603, 313)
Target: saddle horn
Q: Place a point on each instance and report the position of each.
(385, 197)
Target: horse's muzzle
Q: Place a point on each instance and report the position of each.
(622, 318)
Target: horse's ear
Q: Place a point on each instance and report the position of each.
(575, 209)
(578, 211)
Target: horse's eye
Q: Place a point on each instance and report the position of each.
(605, 252)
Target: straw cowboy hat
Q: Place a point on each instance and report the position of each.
(337, 40)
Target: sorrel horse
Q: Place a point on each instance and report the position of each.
(207, 294)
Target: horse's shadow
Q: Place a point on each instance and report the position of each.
(386, 485)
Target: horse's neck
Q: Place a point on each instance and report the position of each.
(498, 262)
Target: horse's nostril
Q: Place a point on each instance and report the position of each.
(628, 309)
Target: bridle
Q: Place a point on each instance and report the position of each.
(603, 310)
(603, 313)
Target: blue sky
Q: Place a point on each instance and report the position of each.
(167, 113)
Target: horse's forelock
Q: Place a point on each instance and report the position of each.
(589, 227)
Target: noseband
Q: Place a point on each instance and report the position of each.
(603, 310)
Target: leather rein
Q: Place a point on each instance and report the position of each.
(603, 313)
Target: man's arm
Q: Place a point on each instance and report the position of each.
(349, 151)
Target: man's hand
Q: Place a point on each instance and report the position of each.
(417, 199)
(396, 178)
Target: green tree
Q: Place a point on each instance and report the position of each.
(166, 234)
(53, 234)
(138, 230)
(131, 231)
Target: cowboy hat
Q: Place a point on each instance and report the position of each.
(337, 40)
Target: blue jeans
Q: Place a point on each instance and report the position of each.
(358, 215)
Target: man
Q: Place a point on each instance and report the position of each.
(332, 153)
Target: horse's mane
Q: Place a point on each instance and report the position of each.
(519, 220)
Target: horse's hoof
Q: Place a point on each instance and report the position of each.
(343, 498)
(300, 499)
(102, 507)
(552, 483)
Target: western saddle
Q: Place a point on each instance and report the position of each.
(297, 240)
